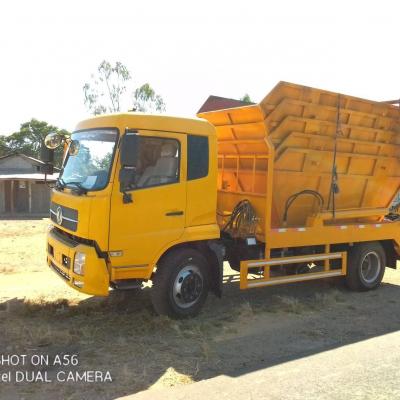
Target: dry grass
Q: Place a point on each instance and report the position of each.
(172, 378)
(291, 305)
(329, 298)
(146, 349)
(121, 333)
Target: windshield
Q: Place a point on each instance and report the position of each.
(89, 165)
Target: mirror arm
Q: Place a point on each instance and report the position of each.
(126, 197)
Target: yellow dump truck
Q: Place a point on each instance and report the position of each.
(294, 188)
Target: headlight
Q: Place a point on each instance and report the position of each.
(79, 263)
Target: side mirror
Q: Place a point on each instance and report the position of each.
(129, 149)
(126, 178)
(53, 140)
(128, 159)
(47, 156)
(73, 148)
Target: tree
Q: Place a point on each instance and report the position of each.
(107, 89)
(29, 139)
(246, 98)
(3, 146)
(146, 99)
(104, 93)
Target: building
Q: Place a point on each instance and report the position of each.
(23, 190)
(214, 103)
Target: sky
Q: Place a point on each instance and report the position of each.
(188, 50)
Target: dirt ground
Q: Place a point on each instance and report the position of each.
(241, 333)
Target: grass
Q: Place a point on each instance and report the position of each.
(122, 334)
(329, 298)
(291, 305)
(143, 349)
(89, 319)
(139, 351)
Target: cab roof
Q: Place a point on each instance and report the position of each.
(134, 120)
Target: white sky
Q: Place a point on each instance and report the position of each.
(188, 50)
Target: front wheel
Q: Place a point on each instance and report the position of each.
(180, 284)
(366, 266)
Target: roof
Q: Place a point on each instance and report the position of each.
(28, 177)
(35, 160)
(219, 103)
(161, 123)
(29, 158)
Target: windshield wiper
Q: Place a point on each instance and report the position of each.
(60, 183)
(79, 188)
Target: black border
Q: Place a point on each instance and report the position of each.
(189, 135)
(112, 159)
(137, 131)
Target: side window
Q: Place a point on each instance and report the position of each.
(158, 162)
(197, 157)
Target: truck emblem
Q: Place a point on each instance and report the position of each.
(59, 216)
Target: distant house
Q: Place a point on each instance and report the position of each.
(22, 186)
(214, 103)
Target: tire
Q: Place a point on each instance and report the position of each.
(180, 284)
(366, 266)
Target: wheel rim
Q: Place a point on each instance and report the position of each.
(188, 286)
(370, 267)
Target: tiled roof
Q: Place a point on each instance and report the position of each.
(220, 103)
(29, 158)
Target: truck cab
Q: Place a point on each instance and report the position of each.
(135, 191)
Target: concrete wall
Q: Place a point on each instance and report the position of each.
(25, 195)
(2, 199)
(17, 165)
(40, 199)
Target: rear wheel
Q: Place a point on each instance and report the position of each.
(180, 284)
(366, 266)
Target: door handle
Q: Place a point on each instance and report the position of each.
(173, 213)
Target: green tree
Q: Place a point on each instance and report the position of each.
(29, 139)
(103, 94)
(3, 146)
(246, 98)
(107, 89)
(146, 99)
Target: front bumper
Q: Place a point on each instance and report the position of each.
(60, 258)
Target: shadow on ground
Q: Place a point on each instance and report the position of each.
(242, 332)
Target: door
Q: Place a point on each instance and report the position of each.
(7, 197)
(156, 216)
(21, 197)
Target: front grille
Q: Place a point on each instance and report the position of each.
(64, 237)
(69, 216)
(63, 274)
(69, 239)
